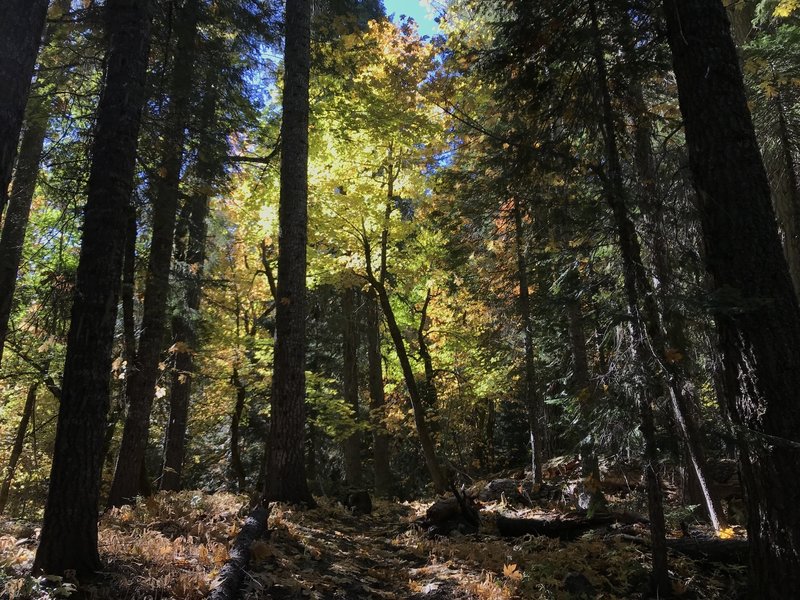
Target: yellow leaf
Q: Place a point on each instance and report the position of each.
(785, 8)
(726, 533)
(511, 572)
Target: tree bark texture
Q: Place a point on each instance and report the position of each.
(21, 26)
(69, 530)
(380, 438)
(144, 374)
(757, 314)
(352, 445)
(286, 472)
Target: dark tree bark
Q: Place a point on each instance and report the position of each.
(530, 398)
(232, 575)
(427, 385)
(19, 208)
(236, 418)
(757, 316)
(140, 390)
(632, 279)
(16, 449)
(69, 531)
(21, 196)
(380, 438)
(21, 26)
(787, 192)
(286, 472)
(352, 445)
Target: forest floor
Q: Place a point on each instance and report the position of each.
(174, 545)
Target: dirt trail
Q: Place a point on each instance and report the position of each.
(328, 553)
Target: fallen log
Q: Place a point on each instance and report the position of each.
(564, 529)
(457, 513)
(734, 552)
(567, 527)
(229, 581)
(712, 549)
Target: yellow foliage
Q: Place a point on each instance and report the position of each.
(726, 533)
(785, 8)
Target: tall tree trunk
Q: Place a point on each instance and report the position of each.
(236, 418)
(659, 318)
(352, 445)
(787, 194)
(530, 398)
(21, 26)
(758, 318)
(380, 438)
(584, 390)
(21, 196)
(144, 374)
(286, 471)
(16, 449)
(128, 329)
(428, 385)
(378, 285)
(438, 477)
(631, 260)
(69, 531)
(190, 256)
(19, 207)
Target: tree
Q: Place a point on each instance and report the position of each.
(286, 474)
(19, 201)
(69, 530)
(140, 389)
(21, 25)
(755, 307)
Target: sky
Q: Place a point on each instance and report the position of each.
(419, 10)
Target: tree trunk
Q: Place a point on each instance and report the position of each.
(530, 398)
(69, 531)
(758, 319)
(380, 439)
(21, 196)
(631, 260)
(787, 195)
(19, 208)
(428, 386)
(190, 257)
(16, 449)
(236, 418)
(659, 318)
(352, 445)
(145, 372)
(21, 25)
(585, 392)
(378, 285)
(438, 477)
(286, 471)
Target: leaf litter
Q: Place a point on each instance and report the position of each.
(173, 546)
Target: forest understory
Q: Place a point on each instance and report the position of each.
(318, 253)
(174, 545)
